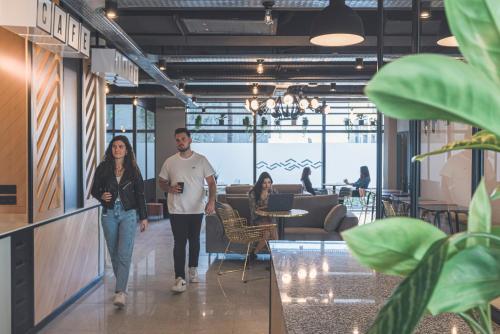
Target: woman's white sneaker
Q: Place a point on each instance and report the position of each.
(180, 285)
(193, 275)
(119, 299)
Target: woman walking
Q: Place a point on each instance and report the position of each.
(119, 186)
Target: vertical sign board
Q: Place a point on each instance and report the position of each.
(44, 15)
(59, 24)
(73, 33)
(85, 41)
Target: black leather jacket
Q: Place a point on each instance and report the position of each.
(131, 188)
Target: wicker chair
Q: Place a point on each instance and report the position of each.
(389, 209)
(238, 231)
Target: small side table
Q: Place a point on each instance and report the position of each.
(155, 210)
(281, 216)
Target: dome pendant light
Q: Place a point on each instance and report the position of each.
(337, 25)
(445, 37)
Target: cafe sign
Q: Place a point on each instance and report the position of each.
(46, 24)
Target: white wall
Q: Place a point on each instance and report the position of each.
(5, 286)
(167, 120)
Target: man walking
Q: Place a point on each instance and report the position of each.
(182, 176)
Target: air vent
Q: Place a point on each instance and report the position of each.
(229, 27)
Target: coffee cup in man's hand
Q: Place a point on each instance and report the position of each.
(181, 187)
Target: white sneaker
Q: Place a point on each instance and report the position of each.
(193, 275)
(119, 299)
(180, 285)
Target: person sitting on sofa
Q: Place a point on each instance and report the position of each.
(258, 198)
(362, 183)
(306, 182)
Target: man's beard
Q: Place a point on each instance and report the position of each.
(183, 149)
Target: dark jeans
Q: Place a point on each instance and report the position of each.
(184, 228)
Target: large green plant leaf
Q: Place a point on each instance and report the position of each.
(469, 279)
(392, 246)
(496, 194)
(479, 215)
(484, 140)
(408, 302)
(476, 25)
(495, 230)
(424, 87)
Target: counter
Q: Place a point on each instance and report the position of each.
(318, 287)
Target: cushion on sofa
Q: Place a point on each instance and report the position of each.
(288, 188)
(334, 217)
(317, 206)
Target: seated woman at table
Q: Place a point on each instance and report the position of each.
(362, 183)
(258, 198)
(306, 182)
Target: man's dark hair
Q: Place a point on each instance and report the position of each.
(183, 130)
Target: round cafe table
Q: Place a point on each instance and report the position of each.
(281, 216)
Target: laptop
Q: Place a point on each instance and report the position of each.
(280, 202)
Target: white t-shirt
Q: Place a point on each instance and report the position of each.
(192, 171)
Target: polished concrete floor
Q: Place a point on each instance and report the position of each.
(218, 304)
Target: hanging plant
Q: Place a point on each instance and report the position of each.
(263, 122)
(246, 121)
(221, 119)
(305, 122)
(361, 119)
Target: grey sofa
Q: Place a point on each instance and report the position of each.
(243, 189)
(309, 227)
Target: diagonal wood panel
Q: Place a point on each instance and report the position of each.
(89, 126)
(47, 156)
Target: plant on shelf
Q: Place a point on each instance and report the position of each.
(221, 119)
(246, 121)
(361, 119)
(197, 122)
(459, 273)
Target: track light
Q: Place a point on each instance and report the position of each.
(333, 87)
(268, 17)
(182, 86)
(425, 10)
(162, 64)
(260, 66)
(111, 9)
(359, 63)
(135, 101)
(255, 89)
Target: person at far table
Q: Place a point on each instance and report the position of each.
(362, 183)
(258, 198)
(306, 181)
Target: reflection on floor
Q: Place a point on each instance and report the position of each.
(219, 304)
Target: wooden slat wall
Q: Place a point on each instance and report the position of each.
(13, 123)
(90, 130)
(46, 96)
(66, 260)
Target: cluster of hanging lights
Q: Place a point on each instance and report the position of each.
(288, 106)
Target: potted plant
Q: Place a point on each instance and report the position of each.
(221, 119)
(246, 121)
(197, 122)
(459, 273)
(263, 122)
(347, 121)
(361, 119)
(373, 121)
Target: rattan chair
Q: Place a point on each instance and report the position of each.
(238, 231)
(389, 209)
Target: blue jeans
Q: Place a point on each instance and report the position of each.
(119, 228)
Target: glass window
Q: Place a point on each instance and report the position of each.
(150, 120)
(109, 116)
(140, 118)
(231, 155)
(140, 151)
(109, 136)
(151, 174)
(124, 117)
(284, 156)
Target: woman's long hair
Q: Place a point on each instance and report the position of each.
(364, 172)
(305, 173)
(129, 162)
(257, 188)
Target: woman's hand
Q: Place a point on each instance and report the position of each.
(144, 225)
(106, 196)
